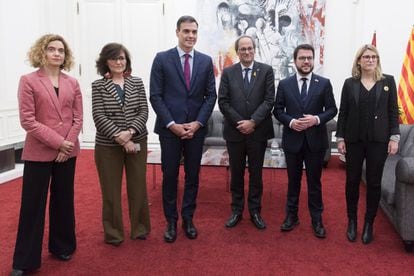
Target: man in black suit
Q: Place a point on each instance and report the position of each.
(182, 94)
(304, 104)
(246, 97)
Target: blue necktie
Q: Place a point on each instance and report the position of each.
(246, 78)
(303, 91)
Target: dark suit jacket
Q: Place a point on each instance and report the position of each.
(256, 103)
(386, 112)
(169, 96)
(320, 101)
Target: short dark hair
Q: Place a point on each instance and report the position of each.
(186, 18)
(110, 51)
(236, 44)
(303, 47)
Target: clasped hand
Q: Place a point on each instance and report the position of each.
(185, 131)
(245, 126)
(304, 122)
(64, 151)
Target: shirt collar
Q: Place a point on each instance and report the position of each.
(181, 52)
(244, 67)
(300, 77)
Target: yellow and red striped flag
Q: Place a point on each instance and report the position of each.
(374, 39)
(406, 86)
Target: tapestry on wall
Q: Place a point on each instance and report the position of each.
(277, 26)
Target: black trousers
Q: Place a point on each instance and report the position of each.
(254, 151)
(375, 155)
(62, 239)
(313, 163)
(172, 151)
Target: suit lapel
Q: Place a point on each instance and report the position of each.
(379, 88)
(253, 76)
(110, 88)
(356, 87)
(293, 83)
(176, 59)
(194, 71)
(313, 85)
(51, 91)
(128, 90)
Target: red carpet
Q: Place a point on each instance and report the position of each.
(243, 250)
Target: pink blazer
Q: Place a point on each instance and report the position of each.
(47, 118)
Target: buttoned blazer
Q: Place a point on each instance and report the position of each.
(385, 120)
(254, 102)
(49, 119)
(288, 105)
(170, 98)
(111, 116)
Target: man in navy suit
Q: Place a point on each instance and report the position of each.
(182, 94)
(246, 96)
(304, 104)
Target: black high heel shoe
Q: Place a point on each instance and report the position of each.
(351, 232)
(367, 235)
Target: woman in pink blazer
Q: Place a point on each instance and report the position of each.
(50, 107)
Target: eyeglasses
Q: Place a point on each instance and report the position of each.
(305, 58)
(367, 57)
(120, 58)
(52, 50)
(248, 49)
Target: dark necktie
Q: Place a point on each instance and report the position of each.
(246, 77)
(187, 73)
(303, 91)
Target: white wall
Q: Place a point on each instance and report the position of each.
(21, 23)
(349, 24)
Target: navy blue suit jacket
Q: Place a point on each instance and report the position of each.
(170, 98)
(320, 102)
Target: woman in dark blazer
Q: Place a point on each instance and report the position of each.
(367, 129)
(120, 113)
(50, 109)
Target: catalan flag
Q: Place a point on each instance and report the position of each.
(406, 86)
(374, 39)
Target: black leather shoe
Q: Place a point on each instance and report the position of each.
(289, 223)
(63, 257)
(233, 220)
(170, 234)
(258, 221)
(189, 229)
(367, 235)
(17, 272)
(318, 230)
(351, 231)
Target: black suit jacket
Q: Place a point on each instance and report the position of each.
(237, 103)
(320, 102)
(385, 118)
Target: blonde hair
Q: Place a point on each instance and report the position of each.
(356, 68)
(37, 53)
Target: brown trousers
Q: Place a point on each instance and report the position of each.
(110, 162)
